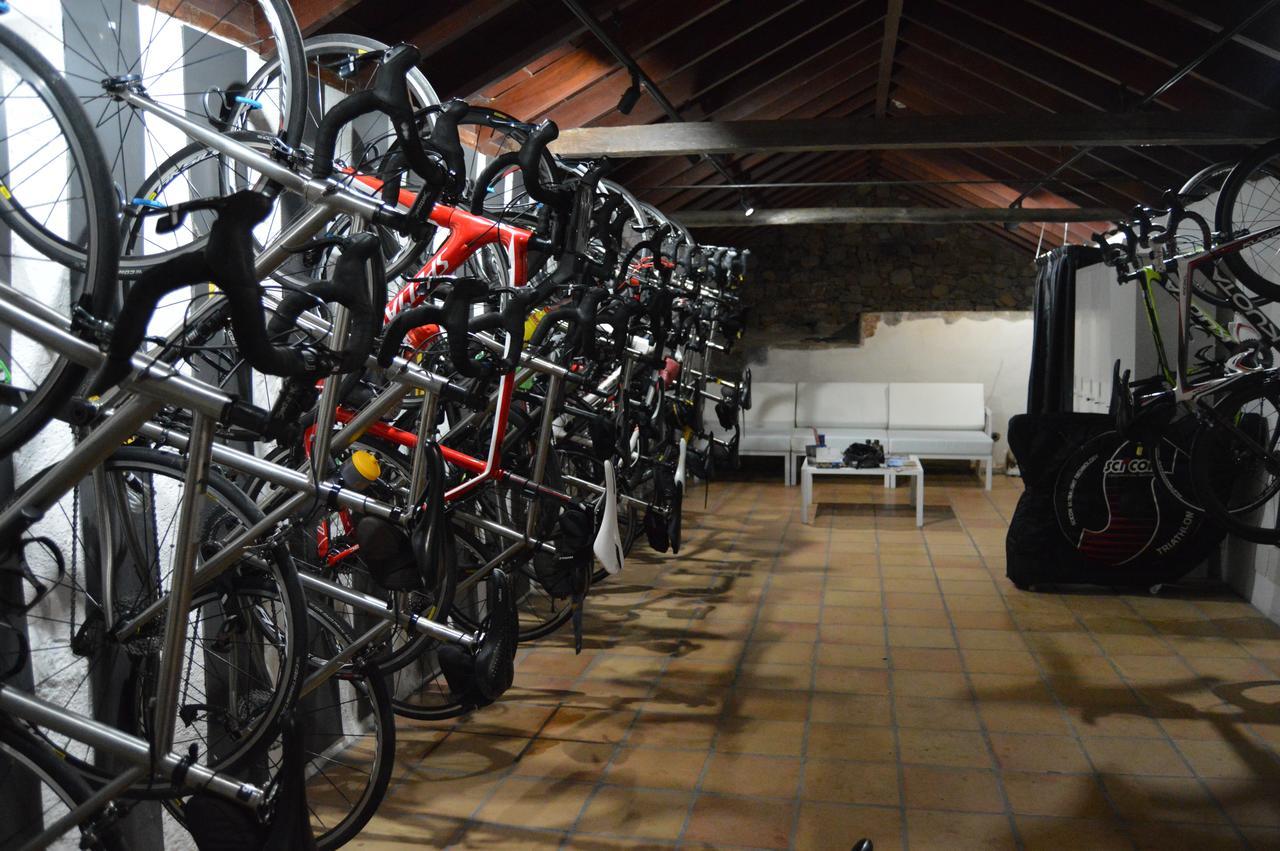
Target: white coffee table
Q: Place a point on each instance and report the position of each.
(912, 468)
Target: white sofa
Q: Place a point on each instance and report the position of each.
(930, 420)
(768, 426)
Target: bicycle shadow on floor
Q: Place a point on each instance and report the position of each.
(1239, 705)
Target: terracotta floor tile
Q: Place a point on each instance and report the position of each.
(645, 813)
(1069, 795)
(588, 725)
(1000, 662)
(930, 684)
(665, 729)
(850, 680)
(656, 768)
(966, 790)
(433, 793)
(749, 774)
(1056, 754)
(770, 686)
(850, 782)
(1159, 837)
(1241, 759)
(852, 655)
(539, 802)
(852, 634)
(778, 653)
(1247, 802)
(768, 704)
(757, 822)
(1042, 833)
(1134, 756)
(913, 636)
(1152, 799)
(925, 659)
(936, 714)
(504, 718)
(478, 836)
(1024, 717)
(465, 753)
(954, 748)
(567, 760)
(836, 827)
(859, 709)
(944, 831)
(843, 741)
(405, 831)
(934, 619)
(751, 735)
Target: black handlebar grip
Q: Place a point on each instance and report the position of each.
(444, 141)
(398, 327)
(531, 157)
(388, 94)
(226, 260)
(349, 286)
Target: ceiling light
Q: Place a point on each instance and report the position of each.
(631, 96)
(747, 207)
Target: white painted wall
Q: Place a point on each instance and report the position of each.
(993, 349)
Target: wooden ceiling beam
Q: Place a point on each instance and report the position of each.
(1062, 41)
(709, 68)
(311, 15)
(444, 29)
(768, 90)
(887, 215)
(888, 46)
(969, 131)
(654, 33)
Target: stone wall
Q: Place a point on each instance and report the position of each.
(809, 286)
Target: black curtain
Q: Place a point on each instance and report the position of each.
(1053, 334)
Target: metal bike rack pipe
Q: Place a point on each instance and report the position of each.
(186, 551)
(130, 748)
(378, 608)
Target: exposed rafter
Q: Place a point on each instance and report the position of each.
(977, 131)
(888, 46)
(892, 215)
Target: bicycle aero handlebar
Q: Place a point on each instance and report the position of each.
(226, 260)
(454, 316)
(389, 94)
(347, 287)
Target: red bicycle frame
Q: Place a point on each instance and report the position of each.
(467, 234)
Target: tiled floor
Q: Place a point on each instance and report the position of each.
(778, 685)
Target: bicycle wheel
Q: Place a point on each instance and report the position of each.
(58, 242)
(1249, 203)
(240, 666)
(420, 690)
(336, 67)
(188, 59)
(349, 738)
(43, 789)
(405, 644)
(1235, 461)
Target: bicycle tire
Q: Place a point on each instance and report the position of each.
(369, 694)
(93, 267)
(1230, 220)
(402, 652)
(66, 784)
(1223, 453)
(370, 681)
(129, 463)
(138, 42)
